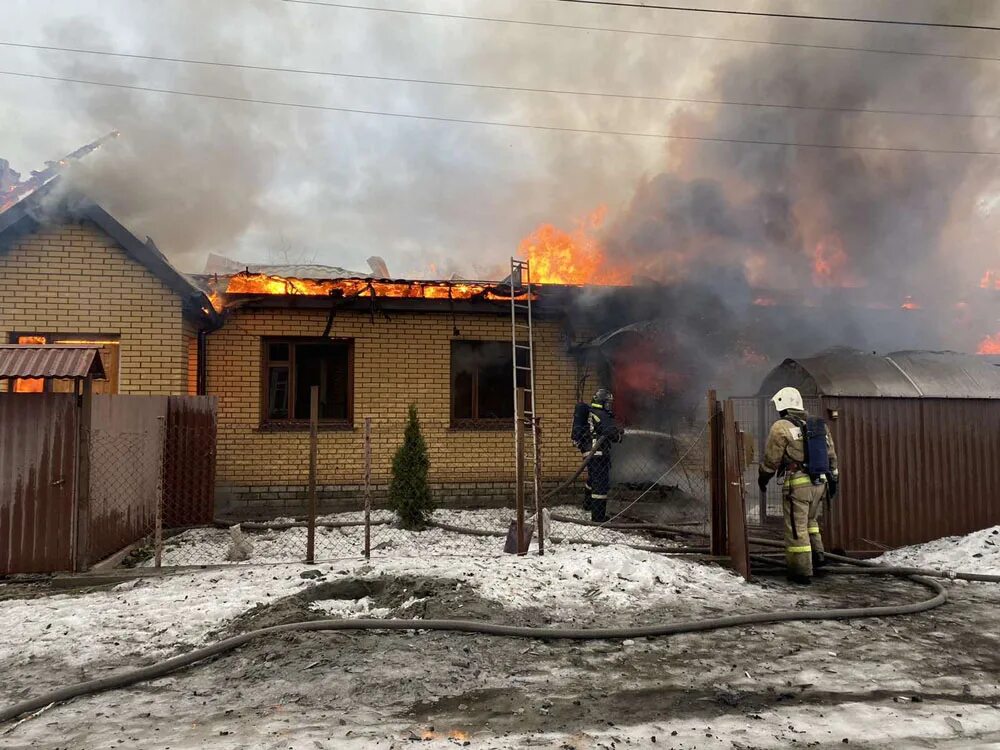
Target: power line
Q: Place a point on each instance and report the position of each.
(639, 32)
(499, 123)
(493, 87)
(763, 14)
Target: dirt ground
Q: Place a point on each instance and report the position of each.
(930, 680)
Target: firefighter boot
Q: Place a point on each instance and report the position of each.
(599, 510)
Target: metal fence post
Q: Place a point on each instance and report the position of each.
(81, 537)
(368, 488)
(313, 445)
(539, 504)
(158, 530)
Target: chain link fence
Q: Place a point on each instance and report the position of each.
(655, 482)
(125, 482)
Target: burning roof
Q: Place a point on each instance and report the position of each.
(13, 192)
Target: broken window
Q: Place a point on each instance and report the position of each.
(481, 383)
(109, 345)
(293, 366)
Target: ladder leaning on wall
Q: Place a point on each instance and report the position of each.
(523, 347)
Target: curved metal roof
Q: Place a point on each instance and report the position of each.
(907, 374)
(50, 361)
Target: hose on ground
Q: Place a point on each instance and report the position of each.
(162, 668)
(901, 570)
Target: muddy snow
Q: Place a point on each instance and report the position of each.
(929, 680)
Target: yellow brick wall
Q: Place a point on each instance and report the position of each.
(73, 278)
(395, 362)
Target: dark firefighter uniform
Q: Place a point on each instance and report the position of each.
(601, 424)
(801, 500)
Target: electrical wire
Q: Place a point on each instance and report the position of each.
(638, 32)
(766, 14)
(491, 87)
(500, 123)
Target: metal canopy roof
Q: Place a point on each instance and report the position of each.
(50, 361)
(908, 374)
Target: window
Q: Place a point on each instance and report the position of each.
(481, 384)
(109, 344)
(292, 367)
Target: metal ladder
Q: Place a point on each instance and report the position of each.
(523, 347)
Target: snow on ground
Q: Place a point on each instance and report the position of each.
(157, 616)
(147, 617)
(209, 546)
(978, 552)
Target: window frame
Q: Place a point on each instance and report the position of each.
(476, 422)
(290, 424)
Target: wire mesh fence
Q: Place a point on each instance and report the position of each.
(125, 483)
(654, 481)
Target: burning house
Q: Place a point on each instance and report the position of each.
(612, 309)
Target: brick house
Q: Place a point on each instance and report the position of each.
(70, 272)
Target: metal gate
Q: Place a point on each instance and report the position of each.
(38, 444)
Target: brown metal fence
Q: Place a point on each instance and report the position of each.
(78, 485)
(38, 439)
(912, 470)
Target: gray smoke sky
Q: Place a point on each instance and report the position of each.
(251, 181)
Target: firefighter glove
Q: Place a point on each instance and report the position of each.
(763, 478)
(832, 484)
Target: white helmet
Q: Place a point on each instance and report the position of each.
(787, 398)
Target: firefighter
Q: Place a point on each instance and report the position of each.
(601, 424)
(800, 449)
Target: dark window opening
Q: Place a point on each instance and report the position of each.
(292, 368)
(482, 388)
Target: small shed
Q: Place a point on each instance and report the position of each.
(918, 435)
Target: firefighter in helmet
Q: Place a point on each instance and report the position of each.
(600, 424)
(800, 449)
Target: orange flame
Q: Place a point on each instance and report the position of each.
(576, 257)
(830, 262)
(909, 304)
(765, 302)
(990, 345)
(991, 280)
(455, 734)
(258, 283)
(30, 385)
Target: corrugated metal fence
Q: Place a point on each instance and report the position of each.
(38, 439)
(148, 458)
(912, 470)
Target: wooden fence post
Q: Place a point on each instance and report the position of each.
(81, 550)
(716, 477)
(313, 441)
(368, 488)
(739, 549)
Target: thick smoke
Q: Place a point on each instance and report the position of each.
(837, 240)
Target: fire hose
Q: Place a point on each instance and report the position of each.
(167, 666)
(921, 576)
